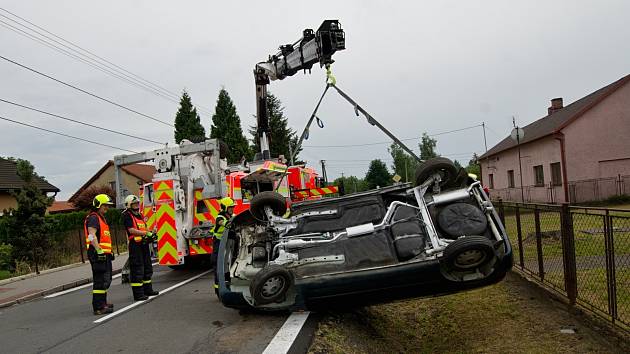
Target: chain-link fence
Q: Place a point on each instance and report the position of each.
(580, 253)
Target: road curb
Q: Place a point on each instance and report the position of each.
(47, 271)
(56, 289)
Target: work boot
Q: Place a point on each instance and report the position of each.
(103, 311)
(148, 290)
(140, 298)
(110, 306)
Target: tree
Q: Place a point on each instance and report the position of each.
(457, 164)
(377, 175)
(404, 165)
(427, 147)
(28, 232)
(473, 166)
(85, 198)
(187, 122)
(226, 125)
(281, 135)
(351, 184)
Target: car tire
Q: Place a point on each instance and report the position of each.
(468, 253)
(444, 166)
(274, 200)
(460, 219)
(271, 284)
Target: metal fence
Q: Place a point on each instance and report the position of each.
(590, 190)
(581, 253)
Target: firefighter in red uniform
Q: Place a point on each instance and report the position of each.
(140, 267)
(99, 251)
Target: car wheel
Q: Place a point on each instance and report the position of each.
(461, 219)
(271, 284)
(441, 165)
(468, 253)
(274, 200)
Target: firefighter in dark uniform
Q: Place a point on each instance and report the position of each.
(140, 267)
(99, 251)
(221, 222)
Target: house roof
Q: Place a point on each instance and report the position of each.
(10, 180)
(141, 171)
(559, 119)
(61, 206)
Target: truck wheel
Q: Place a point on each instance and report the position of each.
(274, 200)
(441, 165)
(468, 253)
(271, 284)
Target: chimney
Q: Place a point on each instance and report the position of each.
(556, 105)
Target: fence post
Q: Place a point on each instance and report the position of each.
(519, 234)
(539, 250)
(501, 211)
(610, 266)
(568, 253)
(80, 245)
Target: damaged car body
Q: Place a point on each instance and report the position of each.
(439, 236)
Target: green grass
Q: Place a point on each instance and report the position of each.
(510, 317)
(5, 274)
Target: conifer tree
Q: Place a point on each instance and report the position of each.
(281, 134)
(226, 126)
(187, 122)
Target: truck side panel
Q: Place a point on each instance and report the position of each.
(165, 218)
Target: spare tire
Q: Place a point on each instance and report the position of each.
(274, 200)
(468, 253)
(441, 165)
(461, 219)
(271, 284)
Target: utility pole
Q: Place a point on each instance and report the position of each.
(520, 167)
(323, 162)
(291, 154)
(406, 175)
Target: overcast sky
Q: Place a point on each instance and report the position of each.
(417, 66)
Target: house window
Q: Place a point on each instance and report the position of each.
(112, 185)
(539, 176)
(556, 174)
(491, 181)
(510, 178)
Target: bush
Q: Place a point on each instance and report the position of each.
(6, 257)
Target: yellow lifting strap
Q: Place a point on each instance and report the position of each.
(330, 78)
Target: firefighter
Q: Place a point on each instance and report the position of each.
(99, 251)
(221, 222)
(140, 239)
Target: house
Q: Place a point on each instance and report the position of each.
(133, 176)
(576, 153)
(10, 182)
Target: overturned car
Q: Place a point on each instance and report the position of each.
(438, 237)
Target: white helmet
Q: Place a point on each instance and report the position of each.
(130, 199)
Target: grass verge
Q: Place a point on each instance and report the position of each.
(510, 317)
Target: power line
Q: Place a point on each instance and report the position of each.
(389, 142)
(80, 122)
(93, 57)
(71, 55)
(66, 135)
(84, 91)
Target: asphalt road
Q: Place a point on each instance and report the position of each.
(187, 319)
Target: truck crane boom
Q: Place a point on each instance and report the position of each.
(314, 47)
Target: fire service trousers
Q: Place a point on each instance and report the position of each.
(140, 268)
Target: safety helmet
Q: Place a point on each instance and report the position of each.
(473, 176)
(226, 202)
(130, 199)
(101, 199)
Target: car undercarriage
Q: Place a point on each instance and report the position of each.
(437, 237)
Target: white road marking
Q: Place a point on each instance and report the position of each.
(80, 287)
(139, 303)
(285, 337)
